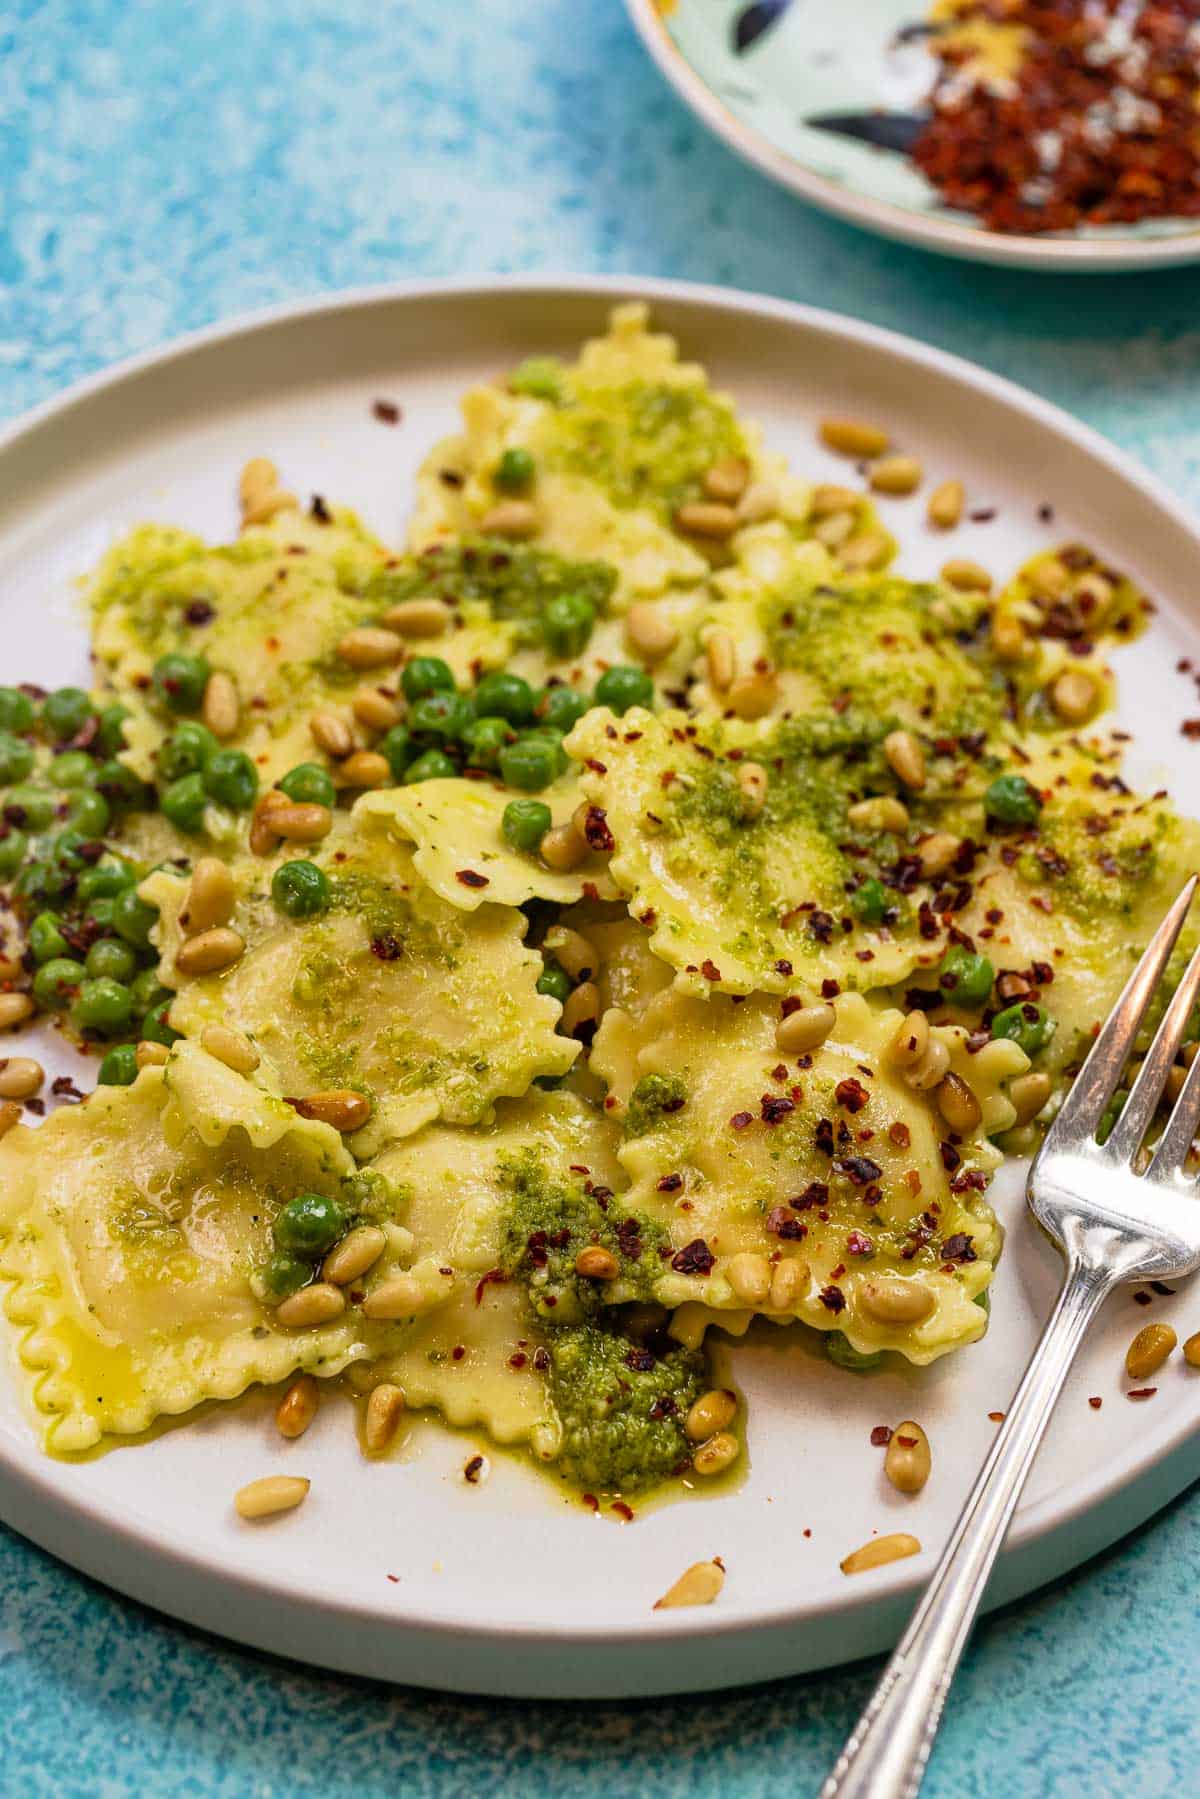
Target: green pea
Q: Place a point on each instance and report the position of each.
(538, 376)
(67, 848)
(396, 745)
(74, 768)
(309, 1225)
(1011, 800)
(43, 881)
(16, 710)
(842, 1354)
(443, 715)
(120, 786)
(37, 804)
(111, 960)
(16, 758)
(232, 779)
(309, 785)
(426, 674)
(155, 1028)
(184, 801)
(555, 981)
(133, 919)
(965, 979)
(622, 686)
(56, 983)
(300, 889)
(88, 811)
(111, 736)
(502, 694)
(485, 738)
(284, 1275)
(119, 1067)
(434, 765)
(186, 751)
(100, 912)
(13, 847)
(870, 901)
(514, 472)
(147, 991)
(561, 707)
(103, 1005)
(525, 823)
(1026, 1024)
(106, 879)
(567, 623)
(66, 711)
(46, 941)
(530, 763)
(180, 680)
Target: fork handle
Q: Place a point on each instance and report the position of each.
(886, 1753)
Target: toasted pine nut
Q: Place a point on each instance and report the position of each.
(706, 518)
(749, 1275)
(804, 1029)
(908, 1462)
(897, 475)
(399, 1297)
(563, 848)
(895, 1299)
(230, 1046)
(15, 1008)
(720, 1452)
(932, 1069)
(905, 758)
(419, 618)
(1191, 1350)
(511, 518)
(210, 898)
(760, 501)
(1008, 637)
(262, 838)
(331, 734)
(886, 813)
(274, 1493)
(573, 952)
(370, 647)
(374, 710)
(318, 1304)
(298, 1407)
(341, 1107)
(220, 709)
(1074, 695)
(1029, 1093)
(965, 576)
(726, 479)
(300, 821)
(880, 1550)
(1049, 579)
(713, 1411)
(366, 768)
(150, 1055)
(650, 630)
(259, 492)
(581, 1007)
(359, 1250)
(911, 1041)
(937, 853)
(11, 966)
(210, 952)
(753, 696)
(827, 498)
(946, 504)
(10, 1114)
(835, 528)
(1149, 1350)
(866, 551)
(20, 1077)
(851, 437)
(787, 1278)
(720, 659)
(698, 1585)
(385, 1407)
(597, 1264)
(752, 779)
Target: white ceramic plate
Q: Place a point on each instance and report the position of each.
(402, 1570)
(794, 88)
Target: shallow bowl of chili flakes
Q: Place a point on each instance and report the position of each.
(1061, 134)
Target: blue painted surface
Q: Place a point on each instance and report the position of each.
(165, 165)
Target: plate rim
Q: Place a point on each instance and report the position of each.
(35, 1481)
(970, 243)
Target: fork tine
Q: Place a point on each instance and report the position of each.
(1096, 1081)
(1176, 1140)
(1147, 1089)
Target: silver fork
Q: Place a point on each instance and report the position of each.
(1128, 1227)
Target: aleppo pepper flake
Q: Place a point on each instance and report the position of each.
(881, 1436)
(958, 1248)
(851, 1094)
(694, 1258)
(468, 878)
(473, 1470)
(833, 1298)
(740, 1120)
(596, 831)
(859, 1170)
(775, 1107)
(782, 1222)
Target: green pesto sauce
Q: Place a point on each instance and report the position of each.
(1098, 874)
(654, 1096)
(549, 1219)
(622, 1422)
(514, 582)
(646, 444)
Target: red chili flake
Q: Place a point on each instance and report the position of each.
(881, 1436)
(596, 831)
(996, 1417)
(900, 1134)
(387, 947)
(858, 1170)
(830, 989)
(851, 1094)
(394, 1578)
(832, 1298)
(740, 1120)
(783, 966)
(958, 1248)
(1095, 1402)
(494, 1277)
(820, 924)
(669, 1183)
(518, 1360)
(590, 1500)
(775, 1107)
(694, 1258)
(664, 1407)
(782, 1222)
(541, 1360)
(386, 411)
(950, 1157)
(859, 1244)
(320, 511)
(469, 878)
(63, 1087)
(709, 970)
(458, 1352)
(1143, 1299)
(623, 1511)
(982, 515)
(815, 1194)
(473, 1470)
(199, 612)
(641, 1361)
(1141, 1392)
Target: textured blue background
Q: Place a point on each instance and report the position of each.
(163, 165)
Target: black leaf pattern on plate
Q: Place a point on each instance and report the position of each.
(884, 130)
(753, 21)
